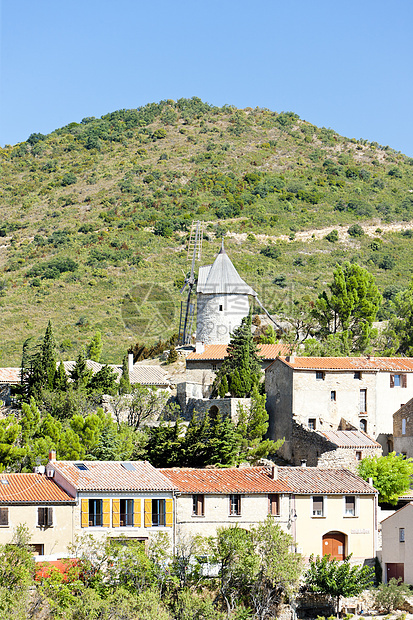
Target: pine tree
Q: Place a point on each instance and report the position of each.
(241, 367)
(80, 374)
(60, 383)
(172, 355)
(124, 382)
(223, 387)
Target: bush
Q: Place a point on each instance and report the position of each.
(355, 231)
(271, 251)
(387, 262)
(53, 268)
(332, 236)
(390, 595)
(280, 281)
(68, 179)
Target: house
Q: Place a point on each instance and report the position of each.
(333, 512)
(212, 498)
(116, 499)
(403, 429)
(37, 502)
(332, 393)
(331, 448)
(144, 374)
(326, 511)
(9, 377)
(397, 545)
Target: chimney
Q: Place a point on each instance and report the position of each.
(371, 482)
(199, 347)
(130, 361)
(274, 472)
(303, 463)
(290, 358)
(52, 455)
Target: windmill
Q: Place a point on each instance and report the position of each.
(188, 308)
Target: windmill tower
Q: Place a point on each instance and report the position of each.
(222, 300)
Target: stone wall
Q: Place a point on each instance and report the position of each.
(227, 407)
(5, 394)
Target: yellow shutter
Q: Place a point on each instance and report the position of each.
(137, 513)
(148, 513)
(116, 512)
(106, 513)
(84, 517)
(168, 513)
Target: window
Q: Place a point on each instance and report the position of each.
(158, 512)
(274, 504)
(37, 549)
(358, 455)
(363, 401)
(45, 516)
(333, 395)
(350, 506)
(221, 308)
(312, 424)
(214, 367)
(403, 426)
(126, 512)
(401, 534)
(320, 375)
(198, 503)
(81, 466)
(398, 380)
(318, 506)
(4, 515)
(95, 513)
(363, 425)
(235, 505)
(357, 374)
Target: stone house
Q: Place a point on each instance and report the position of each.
(333, 512)
(403, 429)
(36, 501)
(333, 393)
(117, 499)
(397, 545)
(331, 449)
(9, 377)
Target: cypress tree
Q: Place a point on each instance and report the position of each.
(48, 358)
(80, 374)
(124, 382)
(94, 349)
(60, 383)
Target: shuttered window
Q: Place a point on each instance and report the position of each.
(158, 512)
(398, 380)
(198, 505)
(235, 505)
(318, 506)
(45, 516)
(350, 506)
(363, 401)
(274, 504)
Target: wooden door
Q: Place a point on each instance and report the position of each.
(334, 544)
(394, 570)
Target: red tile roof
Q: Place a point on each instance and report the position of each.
(9, 376)
(219, 352)
(310, 480)
(112, 476)
(350, 439)
(231, 480)
(30, 488)
(373, 364)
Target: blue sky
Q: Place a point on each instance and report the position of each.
(344, 65)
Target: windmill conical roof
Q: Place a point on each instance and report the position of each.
(222, 278)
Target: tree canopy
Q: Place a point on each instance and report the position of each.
(391, 475)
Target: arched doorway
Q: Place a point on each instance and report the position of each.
(334, 544)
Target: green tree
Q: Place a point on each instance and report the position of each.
(391, 475)
(80, 374)
(241, 367)
(172, 355)
(390, 595)
(103, 381)
(60, 383)
(251, 427)
(124, 381)
(329, 576)
(399, 332)
(94, 350)
(48, 357)
(350, 308)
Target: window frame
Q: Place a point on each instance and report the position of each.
(320, 375)
(401, 380)
(363, 422)
(314, 498)
(5, 511)
(160, 513)
(128, 515)
(402, 535)
(355, 507)
(364, 392)
(198, 505)
(357, 375)
(234, 505)
(274, 499)
(333, 396)
(312, 424)
(45, 516)
(93, 515)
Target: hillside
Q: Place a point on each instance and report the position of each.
(97, 212)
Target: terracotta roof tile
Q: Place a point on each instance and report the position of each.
(218, 351)
(372, 364)
(9, 375)
(112, 476)
(30, 488)
(350, 439)
(228, 480)
(309, 480)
